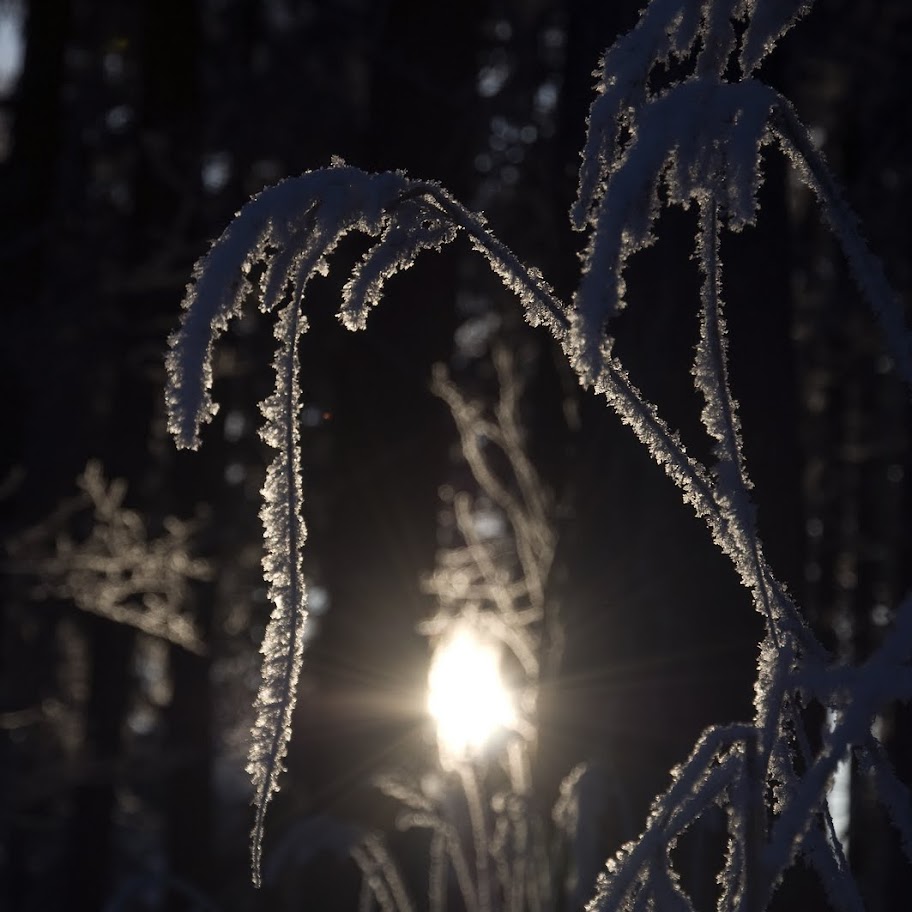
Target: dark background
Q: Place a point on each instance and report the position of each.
(131, 135)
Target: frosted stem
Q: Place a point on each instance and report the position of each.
(479, 821)
(866, 269)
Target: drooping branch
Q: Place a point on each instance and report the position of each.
(700, 139)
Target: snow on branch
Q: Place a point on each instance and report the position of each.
(271, 250)
(699, 136)
(653, 140)
(289, 229)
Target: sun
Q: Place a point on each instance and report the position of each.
(467, 697)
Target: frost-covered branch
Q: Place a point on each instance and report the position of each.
(284, 531)
(866, 269)
(694, 139)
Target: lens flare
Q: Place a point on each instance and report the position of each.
(467, 697)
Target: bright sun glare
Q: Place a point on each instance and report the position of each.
(467, 697)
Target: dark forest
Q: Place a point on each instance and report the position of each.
(133, 602)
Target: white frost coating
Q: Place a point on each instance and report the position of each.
(284, 533)
(770, 20)
(700, 139)
(541, 305)
(539, 302)
(720, 418)
(290, 228)
(413, 228)
(841, 891)
(666, 27)
(718, 37)
(287, 232)
(866, 269)
(720, 414)
(700, 135)
(628, 871)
